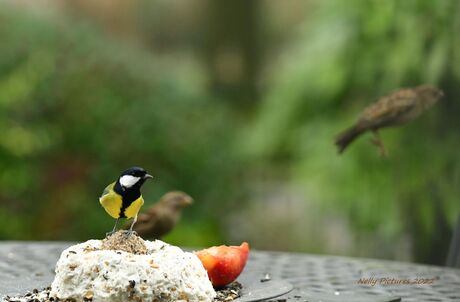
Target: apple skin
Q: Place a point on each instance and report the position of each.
(224, 263)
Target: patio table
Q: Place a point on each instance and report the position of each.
(28, 265)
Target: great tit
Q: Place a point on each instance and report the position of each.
(122, 198)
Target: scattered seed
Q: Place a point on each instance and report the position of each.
(225, 294)
(228, 293)
(266, 278)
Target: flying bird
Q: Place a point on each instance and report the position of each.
(392, 110)
(163, 216)
(122, 198)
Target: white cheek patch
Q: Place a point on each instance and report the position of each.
(128, 181)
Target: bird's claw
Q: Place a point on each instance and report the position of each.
(129, 233)
(377, 141)
(109, 234)
(382, 151)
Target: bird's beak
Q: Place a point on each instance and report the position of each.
(147, 176)
(187, 200)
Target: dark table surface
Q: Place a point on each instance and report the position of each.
(28, 265)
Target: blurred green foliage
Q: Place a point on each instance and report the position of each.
(78, 108)
(345, 56)
(78, 105)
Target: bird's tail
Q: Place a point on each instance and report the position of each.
(346, 137)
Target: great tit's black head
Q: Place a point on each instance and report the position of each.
(134, 176)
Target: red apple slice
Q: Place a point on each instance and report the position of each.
(224, 263)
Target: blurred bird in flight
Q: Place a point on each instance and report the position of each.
(122, 198)
(392, 110)
(163, 216)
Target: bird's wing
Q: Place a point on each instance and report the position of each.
(389, 110)
(146, 223)
(149, 216)
(108, 189)
(111, 201)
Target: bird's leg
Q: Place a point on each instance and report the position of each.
(132, 225)
(379, 143)
(114, 229)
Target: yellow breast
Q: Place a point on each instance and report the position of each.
(134, 207)
(112, 202)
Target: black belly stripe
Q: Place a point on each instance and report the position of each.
(122, 212)
(125, 204)
(128, 195)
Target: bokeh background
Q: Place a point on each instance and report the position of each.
(236, 103)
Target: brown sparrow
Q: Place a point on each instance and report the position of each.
(392, 110)
(162, 217)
